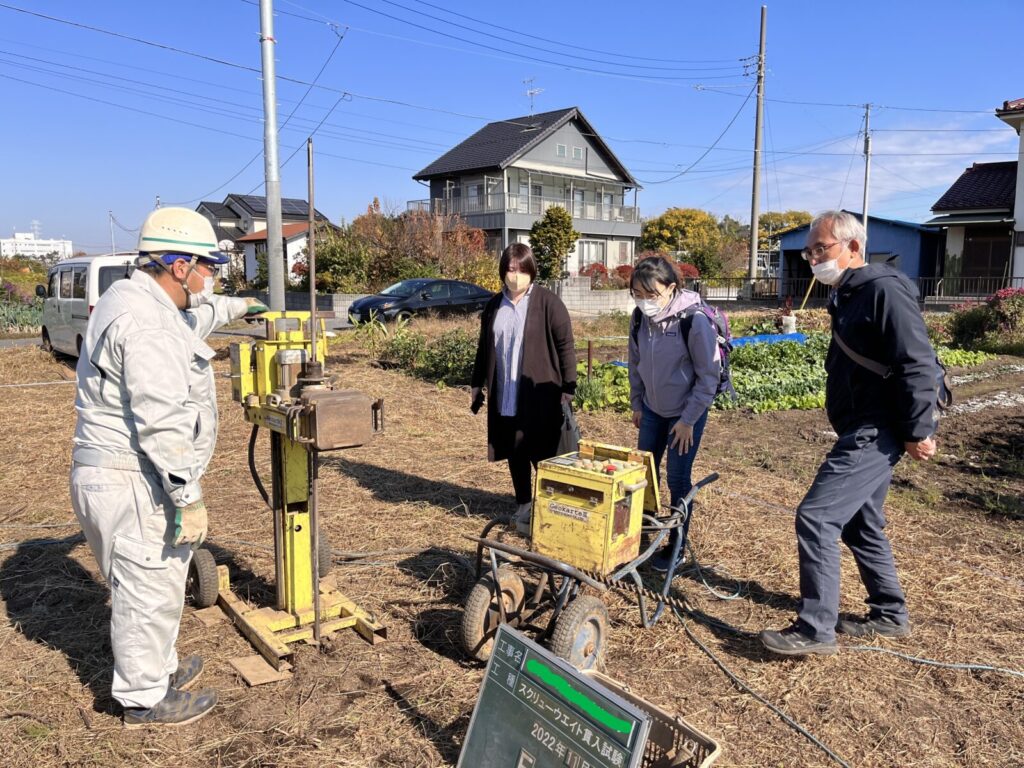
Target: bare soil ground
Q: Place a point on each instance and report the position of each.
(957, 527)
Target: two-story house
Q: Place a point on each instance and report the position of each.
(240, 218)
(506, 175)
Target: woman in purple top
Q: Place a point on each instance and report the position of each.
(674, 371)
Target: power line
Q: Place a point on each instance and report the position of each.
(708, 150)
(570, 45)
(258, 155)
(716, 89)
(562, 65)
(557, 53)
(849, 168)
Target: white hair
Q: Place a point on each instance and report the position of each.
(845, 226)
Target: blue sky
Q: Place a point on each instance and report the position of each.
(95, 122)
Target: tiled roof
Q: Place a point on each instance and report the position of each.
(498, 144)
(1016, 105)
(288, 231)
(982, 186)
(234, 234)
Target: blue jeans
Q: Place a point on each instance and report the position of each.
(845, 504)
(654, 436)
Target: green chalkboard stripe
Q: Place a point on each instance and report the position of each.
(576, 698)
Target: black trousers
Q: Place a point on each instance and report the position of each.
(511, 438)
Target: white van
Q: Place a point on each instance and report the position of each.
(73, 288)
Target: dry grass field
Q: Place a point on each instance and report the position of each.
(957, 527)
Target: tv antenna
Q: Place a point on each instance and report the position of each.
(531, 91)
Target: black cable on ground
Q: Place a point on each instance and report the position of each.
(747, 689)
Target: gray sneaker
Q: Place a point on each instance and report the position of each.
(793, 642)
(867, 626)
(176, 708)
(189, 670)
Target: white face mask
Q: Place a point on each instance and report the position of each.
(649, 307)
(205, 296)
(828, 272)
(517, 282)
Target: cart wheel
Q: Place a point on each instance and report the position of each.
(480, 618)
(202, 584)
(324, 556)
(581, 633)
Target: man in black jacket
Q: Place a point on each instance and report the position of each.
(878, 418)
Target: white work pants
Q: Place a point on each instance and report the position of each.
(128, 521)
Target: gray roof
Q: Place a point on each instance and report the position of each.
(982, 186)
(219, 210)
(497, 145)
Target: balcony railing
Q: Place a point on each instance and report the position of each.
(529, 205)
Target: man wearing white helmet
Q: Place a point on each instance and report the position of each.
(147, 426)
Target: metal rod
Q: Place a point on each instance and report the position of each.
(314, 538)
(279, 504)
(271, 170)
(590, 357)
(311, 251)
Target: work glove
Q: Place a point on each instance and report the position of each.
(190, 524)
(254, 306)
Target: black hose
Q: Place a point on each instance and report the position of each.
(252, 465)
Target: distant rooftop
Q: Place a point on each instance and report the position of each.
(983, 186)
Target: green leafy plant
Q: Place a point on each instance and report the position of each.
(449, 358)
(402, 347)
(962, 358)
(372, 334)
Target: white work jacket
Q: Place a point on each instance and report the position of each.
(146, 393)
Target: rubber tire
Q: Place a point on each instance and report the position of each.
(324, 556)
(480, 617)
(46, 344)
(202, 584)
(405, 315)
(581, 633)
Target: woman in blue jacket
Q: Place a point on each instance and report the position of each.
(674, 371)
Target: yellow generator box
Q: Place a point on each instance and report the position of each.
(588, 506)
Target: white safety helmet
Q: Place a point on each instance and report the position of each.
(171, 233)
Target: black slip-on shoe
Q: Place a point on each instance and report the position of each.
(189, 670)
(176, 708)
(793, 642)
(866, 626)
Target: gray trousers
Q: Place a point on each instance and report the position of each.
(127, 519)
(845, 502)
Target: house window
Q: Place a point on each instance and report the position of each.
(578, 198)
(474, 198)
(577, 153)
(591, 252)
(607, 206)
(560, 150)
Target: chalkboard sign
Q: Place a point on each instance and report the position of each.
(537, 711)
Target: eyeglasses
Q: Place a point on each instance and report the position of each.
(817, 253)
(645, 295)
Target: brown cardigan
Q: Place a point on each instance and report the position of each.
(548, 370)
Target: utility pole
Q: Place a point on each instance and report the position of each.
(867, 167)
(755, 192)
(271, 171)
(110, 215)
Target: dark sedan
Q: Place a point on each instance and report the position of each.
(420, 296)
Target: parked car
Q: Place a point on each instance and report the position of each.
(72, 290)
(420, 296)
